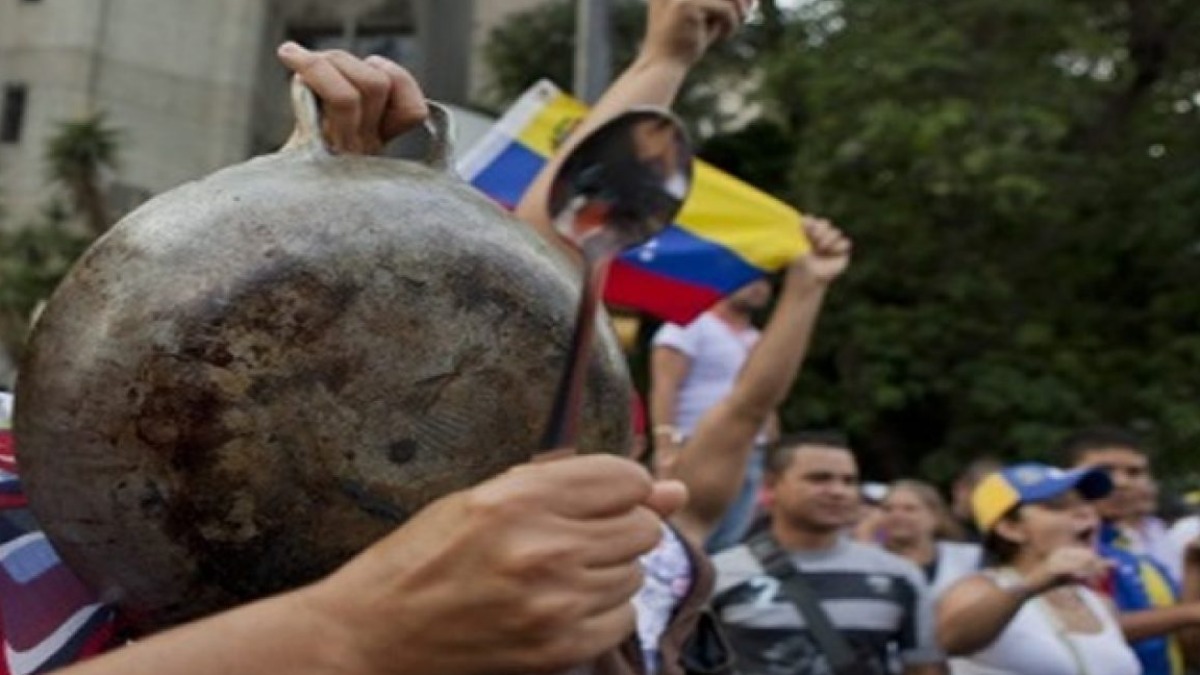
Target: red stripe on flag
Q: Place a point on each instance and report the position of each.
(8, 460)
(633, 287)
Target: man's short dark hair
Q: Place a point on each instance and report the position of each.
(1074, 448)
(779, 455)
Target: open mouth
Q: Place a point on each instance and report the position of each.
(1086, 536)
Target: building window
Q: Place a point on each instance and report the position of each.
(12, 117)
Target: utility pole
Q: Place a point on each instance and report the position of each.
(593, 49)
(444, 32)
(96, 62)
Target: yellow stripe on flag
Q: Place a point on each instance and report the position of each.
(546, 130)
(758, 227)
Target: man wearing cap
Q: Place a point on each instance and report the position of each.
(1031, 610)
(1159, 611)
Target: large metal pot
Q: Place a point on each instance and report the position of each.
(254, 376)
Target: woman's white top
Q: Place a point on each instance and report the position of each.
(955, 560)
(1035, 642)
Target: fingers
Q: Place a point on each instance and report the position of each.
(340, 101)
(722, 18)
(825, 238)
(1078, 564)
(586, 486)
(619, 540)
(608, 587)
(406, 105)
(372, 87)
(667, 498)
(364, 103)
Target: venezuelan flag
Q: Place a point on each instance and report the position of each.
(727, 235)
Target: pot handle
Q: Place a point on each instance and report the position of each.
(439, 125)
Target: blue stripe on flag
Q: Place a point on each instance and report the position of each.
(681, 255)
(509, 174)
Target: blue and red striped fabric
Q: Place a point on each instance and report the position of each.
(727, 235)
(48, 617)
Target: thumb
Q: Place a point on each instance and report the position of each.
(667, 497)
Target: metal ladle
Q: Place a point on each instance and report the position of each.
(618, 188)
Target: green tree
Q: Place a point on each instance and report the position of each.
(33, 259)
(35, 256)
(1022, 180)
(76, 156)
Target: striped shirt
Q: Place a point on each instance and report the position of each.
(878, 601)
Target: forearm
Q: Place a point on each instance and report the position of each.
(649, 81)
(664, 393)
(774, 429)
(1190, 591)
(279, 635)
(976, 625)
(775, 361)
(1189, 638)
(1157, 622)
(713, 461)
(669, 367)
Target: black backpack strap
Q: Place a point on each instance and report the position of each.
(777, 563)
(707, 651)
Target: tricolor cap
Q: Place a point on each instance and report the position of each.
(1027, 483)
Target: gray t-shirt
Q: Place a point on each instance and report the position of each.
(878, 601)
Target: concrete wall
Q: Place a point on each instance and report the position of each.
(175, 76)
(50, 51)
(193, 84)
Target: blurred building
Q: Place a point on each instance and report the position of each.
(194, 85)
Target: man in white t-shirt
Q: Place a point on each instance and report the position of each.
(693, 367)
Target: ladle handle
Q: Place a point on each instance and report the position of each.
(562, 429)
(439, 125)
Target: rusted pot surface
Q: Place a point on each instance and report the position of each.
(254, 376)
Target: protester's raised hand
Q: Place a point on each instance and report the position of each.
(682, 30)
(364, 102)
(529, 572)
(829, 254)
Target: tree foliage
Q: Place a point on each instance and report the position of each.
(1022, 181)
(36, 255)
(77, 155)
(33, 259)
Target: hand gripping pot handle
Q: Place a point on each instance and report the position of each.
(439, 125)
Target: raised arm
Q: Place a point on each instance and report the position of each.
(678, 32)
(712, 463)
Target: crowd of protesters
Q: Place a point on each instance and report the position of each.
(1063, 570)
(1029, 569)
